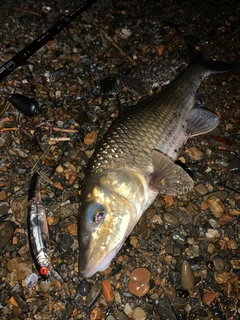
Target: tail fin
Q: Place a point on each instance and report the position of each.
(212, 66)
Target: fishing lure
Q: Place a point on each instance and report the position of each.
(38, 229)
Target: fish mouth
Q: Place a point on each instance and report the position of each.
(87, 268)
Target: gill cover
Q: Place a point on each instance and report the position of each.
(107, 216)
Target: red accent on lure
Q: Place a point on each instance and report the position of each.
(43, 271)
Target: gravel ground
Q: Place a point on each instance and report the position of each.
(182, 261)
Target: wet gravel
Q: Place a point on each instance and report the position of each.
(182, 260)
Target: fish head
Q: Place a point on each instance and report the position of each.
(112, 205)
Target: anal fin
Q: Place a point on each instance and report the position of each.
(201, 121)
(167, 177)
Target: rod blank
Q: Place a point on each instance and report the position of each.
(34, 46)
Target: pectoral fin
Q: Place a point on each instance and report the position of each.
(201, 121)
(167, 177)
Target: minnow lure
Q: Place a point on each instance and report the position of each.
(38, 229)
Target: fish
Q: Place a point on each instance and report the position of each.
(135, 161)
(38, 229)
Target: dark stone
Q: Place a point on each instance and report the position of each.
(6, 231)
(174, 278)
(165, 310)
(83, 288)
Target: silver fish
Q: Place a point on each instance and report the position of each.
(134, 162)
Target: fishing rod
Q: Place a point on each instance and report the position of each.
(34, 46)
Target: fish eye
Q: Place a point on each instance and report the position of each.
(99, 216)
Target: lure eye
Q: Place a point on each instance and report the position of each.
(43, 271)
(99, 217)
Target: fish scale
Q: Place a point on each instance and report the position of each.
(134, 162)
(154, 123)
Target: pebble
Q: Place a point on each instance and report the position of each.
(19, 208)
(83, 288)
(4, 207)
(225, 254)
(65, 289)
(209, 297)
(216, 206)
(234, 212)
(170, 219)
(107, 290)
(2, 196)
(203, 273)
(174, 278)
(179, 238)
(179, 303)
(221, 194)
(3, 272)
(17, 311)
(165, 310)
(117, 297)
(218, 263)
(187, 276)
(13, 302)
(139, 282)
(6, 231)
(232, 202)
(192, 209)
(93, 294)
(127, 309)
(11, 278)
(169, 292)
(194, 153)
(212, 234)
(72, 229)
(214, 223)
(90, 138)
(234, 165)
(193, 251)
(169, 249)
(120, 315)
(211, 248)
(139, 314)
(96, 314)
(40, 88)
(169, 200)
(110, 317)
(18, 296)
(117, 268)
(12, 263)
(232, 245)
(200, 189)
(160, 49)
(45, 286)
(23, 269)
